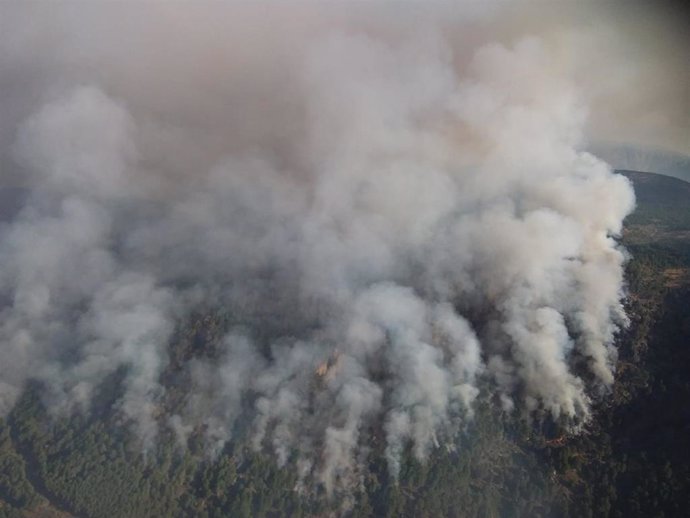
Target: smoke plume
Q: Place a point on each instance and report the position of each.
(395, 217)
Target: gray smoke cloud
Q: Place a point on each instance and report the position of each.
(392, 220)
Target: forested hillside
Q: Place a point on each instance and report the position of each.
(631, 460)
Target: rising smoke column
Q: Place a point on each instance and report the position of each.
(417, 228)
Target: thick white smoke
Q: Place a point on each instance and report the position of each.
(414, 227)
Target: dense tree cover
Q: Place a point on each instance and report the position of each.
(16, 492)
(92, 468)
(631, 461)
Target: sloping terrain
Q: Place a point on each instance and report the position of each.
(633, 460)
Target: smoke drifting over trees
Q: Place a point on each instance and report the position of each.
(395, 218)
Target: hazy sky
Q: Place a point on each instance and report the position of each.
(628, 58)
